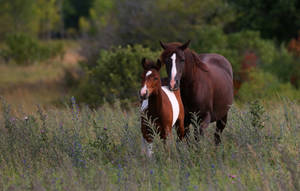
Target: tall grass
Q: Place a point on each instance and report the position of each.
(83, 149)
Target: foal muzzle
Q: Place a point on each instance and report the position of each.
(144, 95)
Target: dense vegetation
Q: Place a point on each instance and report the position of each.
(83, 149)
(48, 143)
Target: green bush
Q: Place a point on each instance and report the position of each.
(276, 60)
(24, 49)
(116, 75)
(211, 39)
(263, 85)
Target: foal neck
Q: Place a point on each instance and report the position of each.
(156, 98)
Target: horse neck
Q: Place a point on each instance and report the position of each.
(155, 100)
(189, 67)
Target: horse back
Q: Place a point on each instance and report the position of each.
(218, 61)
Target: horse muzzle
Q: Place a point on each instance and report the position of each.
(174, 85)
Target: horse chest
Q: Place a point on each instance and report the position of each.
(196, 98)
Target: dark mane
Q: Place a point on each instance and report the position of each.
(193, 58)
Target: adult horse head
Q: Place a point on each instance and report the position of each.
(205, 81)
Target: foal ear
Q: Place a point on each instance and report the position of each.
(158, 64)
(144, 63)
(185, 45)
(163, 45)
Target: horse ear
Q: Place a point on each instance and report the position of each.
(144, 64)
(163, 45)
(185, 45)
(158, 64)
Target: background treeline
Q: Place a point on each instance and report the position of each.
(260, 39)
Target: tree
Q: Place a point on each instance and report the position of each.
(48, 17)
(73, 10)
(18, 15)
(273, 18)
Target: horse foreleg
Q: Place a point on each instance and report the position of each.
(220, 127)
(187, 122)
(204, 124)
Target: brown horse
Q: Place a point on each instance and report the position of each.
(160, 104)
(205, 81)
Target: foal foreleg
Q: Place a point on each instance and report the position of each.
(180, 129)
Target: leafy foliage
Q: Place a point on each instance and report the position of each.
(268, 17)
(263, 85)
(25, 50)
(116, 75)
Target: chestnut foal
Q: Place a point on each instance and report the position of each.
(159, 104)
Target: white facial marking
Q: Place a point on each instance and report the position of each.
(144, 90)
(148, 73)
(174, 70)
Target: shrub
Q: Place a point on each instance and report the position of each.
(24, 49)
(116, 75)
(233, 46)
(263, 85)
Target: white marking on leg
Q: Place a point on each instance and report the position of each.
(148, 73)
(174, 70)
(174, 103)
(147, 148)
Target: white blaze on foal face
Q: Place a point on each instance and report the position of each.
(148, 73)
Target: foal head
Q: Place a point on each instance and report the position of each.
(150, 78)
(174, 58)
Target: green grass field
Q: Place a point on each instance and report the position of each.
(83, 149)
